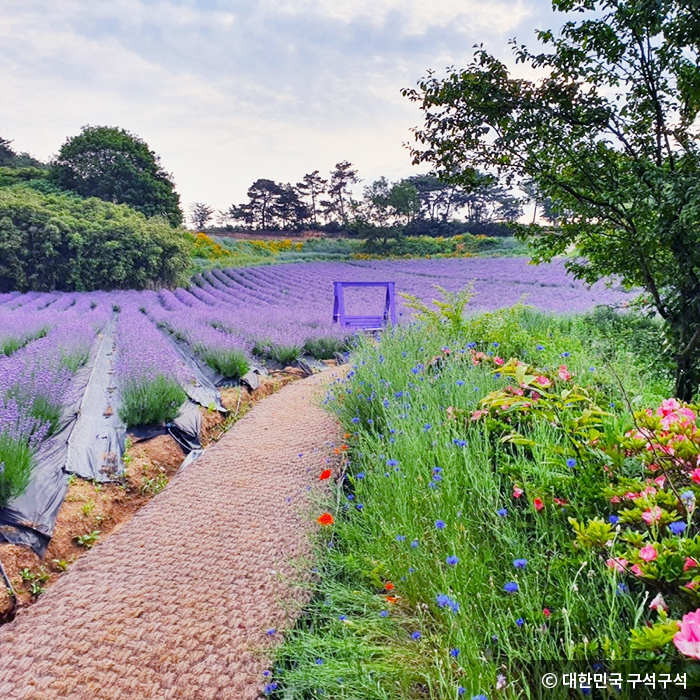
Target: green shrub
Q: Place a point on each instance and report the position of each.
(233, 364)
(151, 401)
(324, 347)
(15, 467)
(62, 242)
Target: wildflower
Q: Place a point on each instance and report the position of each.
(411, 570)
(479, 697)
(502, 512)
(695, 475)
(360, 475)
(547, 612)
(517, 491)
(648, 553)
(427, 427)
(498, 361)
(652, 515)
(564, 374)
(687, 639)
(389, 586)
(539, 347)
(613, 519)
(440, 524)
(384, 613)
(325, 519)
(325, 474)
(636, 570)
(621, 589)
(270, 688)
(618, 565)
(355, 420)
(461, 690)
(519, 563)
(539, 505)
(677, 527)
(454, 653)
(360, 506)
(415, 635)
(511, 587)
(391, 599)
(400, 538)
(414, 544)
(452, 560)
(689, 564)
(520, 622)
(319, 662)
(342, 618)
(460, 443)
(271, 632)
(658, 603)
(392, 462)
(571, 462)
(266, 673)
(500, 681)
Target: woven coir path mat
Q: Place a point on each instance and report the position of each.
(179, 602)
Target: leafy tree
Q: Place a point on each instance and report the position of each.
(609, 134)
(116, 166)
(339, 206)
(290, 210)
(64, 242)
(312, 187)
(259, 211)
(201, 214)
(10, 159)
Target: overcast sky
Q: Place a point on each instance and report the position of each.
(227, 91)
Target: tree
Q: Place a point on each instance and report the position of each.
(10, 159)
(340, 203)
(116, 166)
(259, 211)
(201, 215)
(312, 187)
(608, 134)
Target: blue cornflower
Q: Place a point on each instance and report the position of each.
(432, 485)
(342, 617)
(479, 697)
(459, 382)
(427, 427)
(471, 345)
(461, 690)
(355, 420)
(677, 527)
(454, 653)
(621, 589)
(271, 631)
(400, 538)
(440, 524)
(539, 347)
(571, 462)
(565, 354)
(411, 570)
(415, 635)
(591, 369)
(502, 512)
(613, 519)
(384, 613)
(360, 506)
(495, 345)
(270, 688)
(386, 403)
(437, 470)
(459, 443)
(360, 475)
(392, 462)
(266, 673)
(511, 587)
(351, 497)
(688, 498)
(319, 661)
(415, 370)
(519, 563)
(452, 560)
(520, 622)
(398, 394)
(414, 544)
(444, 601)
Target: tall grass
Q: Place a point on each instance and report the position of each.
(422, 489)
(15, 467)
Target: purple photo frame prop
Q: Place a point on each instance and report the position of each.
(366, 323)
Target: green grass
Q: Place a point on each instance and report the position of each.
(16, 465)
(156, 400)
(10, 344)
(231, 363)
(396, 414)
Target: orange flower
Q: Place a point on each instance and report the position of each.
(343, 447)
(325, 519)
(391, 599)
(325, 474)
(346, 436)
(389, 586)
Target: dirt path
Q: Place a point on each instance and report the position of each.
(178, 603)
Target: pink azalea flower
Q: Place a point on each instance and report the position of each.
(535, 396)
(658, 603)
(618, 565)
(651, 516)
(695, 475)
(636, 570)
(689, 564)
(498, 361)
(667, 406)
(660, 481)
(630, 495)
(543, 381)
(648, 553)
(477, 414)
(517, 492)
(687, 639)
(564, 374)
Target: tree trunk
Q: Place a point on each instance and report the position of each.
(687, 379)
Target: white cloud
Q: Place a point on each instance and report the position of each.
(227, 92)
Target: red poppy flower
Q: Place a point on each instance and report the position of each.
(391, 599)
(325, 474)
(546, 612)
(389, 586)
(325, 519)
(538, 504)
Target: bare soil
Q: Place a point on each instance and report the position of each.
(104, 508)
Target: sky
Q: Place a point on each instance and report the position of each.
(229, 91)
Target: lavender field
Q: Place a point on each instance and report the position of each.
(227, 318)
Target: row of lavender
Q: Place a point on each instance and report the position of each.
(226, 316)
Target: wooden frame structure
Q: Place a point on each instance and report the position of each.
(367, 323)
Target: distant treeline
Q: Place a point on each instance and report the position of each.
(416, 205)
